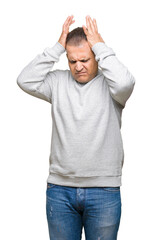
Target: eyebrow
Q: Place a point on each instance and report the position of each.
(83, 59)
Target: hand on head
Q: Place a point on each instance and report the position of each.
(91, 31)
(65, 30)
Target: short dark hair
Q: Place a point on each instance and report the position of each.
(76, 36)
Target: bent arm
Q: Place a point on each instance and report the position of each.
(36, 78)
(120, 81)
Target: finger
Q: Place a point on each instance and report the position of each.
(71, 23)
(91, 24)
(67, 20)
(85, 29)
(88, 23)
(95, 24)
(71, 20)
(67, 23)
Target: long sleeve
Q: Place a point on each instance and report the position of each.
(120, 81)
(36, 78)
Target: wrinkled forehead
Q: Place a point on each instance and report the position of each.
(81, 51)
(78, 54)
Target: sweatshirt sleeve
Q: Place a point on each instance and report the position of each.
(36, 78)
(120, 81)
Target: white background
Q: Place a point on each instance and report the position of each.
(27, 28)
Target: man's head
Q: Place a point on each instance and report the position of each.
(81, 58)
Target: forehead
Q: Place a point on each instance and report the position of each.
(81, 51)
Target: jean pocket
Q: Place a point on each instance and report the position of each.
(50, 185)
(111, 189)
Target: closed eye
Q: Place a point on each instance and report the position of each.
(85, 60)
(72, 62)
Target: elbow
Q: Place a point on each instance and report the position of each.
(132, 81)
(124, 90)
(20, 80)
(21, 83)
(129, 84)
(126, 87)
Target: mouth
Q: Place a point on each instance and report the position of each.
(81, 73)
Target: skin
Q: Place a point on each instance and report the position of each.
(81, 58)
(82, 63)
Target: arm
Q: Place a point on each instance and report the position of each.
(119, 79)
(36, 78)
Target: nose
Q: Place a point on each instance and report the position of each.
(78, 67)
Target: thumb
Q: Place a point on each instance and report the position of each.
(85, 29)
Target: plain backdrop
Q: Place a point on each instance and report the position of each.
(27, 27)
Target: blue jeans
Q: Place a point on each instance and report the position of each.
(69, 209)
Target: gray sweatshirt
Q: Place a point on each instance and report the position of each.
(86, 146)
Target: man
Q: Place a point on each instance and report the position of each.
(86, 157)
